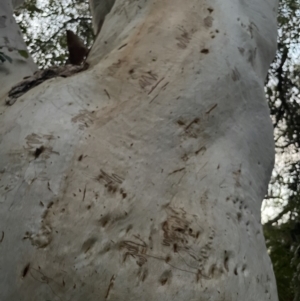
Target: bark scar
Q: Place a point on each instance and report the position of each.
(111, 284)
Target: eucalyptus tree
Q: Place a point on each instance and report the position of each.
(140, 175)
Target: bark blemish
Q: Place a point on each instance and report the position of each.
(155, 85)
(237, 176)
(88, 244)
(50, 205)
(135, 250)
(165, 277)
(104, 220)
(180, 233)
(129, 228)
(245, 270)
(154, 98)
(43, 238)
(2, 236)
(212, 270)
(204, 51)
(142, 274)
(211, 109)
(84, 192)
(252, 56)
(201, 149)
(177, 170)
(111, 188)
(124, 45)
(85, 119)
(147, 79)
(235, 75)
(25, 270)
(226, 261)
(115, 66)
(111, 182)
(123, 193)
(183, 40)
(192, 128)
(107, 94)
(38, 151)
(185, 157)
(208, 21)
(241, 50)
(110, 286)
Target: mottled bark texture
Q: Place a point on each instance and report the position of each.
(142, 177)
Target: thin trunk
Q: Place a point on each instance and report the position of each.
(19, 62)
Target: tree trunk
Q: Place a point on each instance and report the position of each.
(142, 177)
(19, 63)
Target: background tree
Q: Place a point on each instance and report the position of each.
(282, 89)
(44, 25)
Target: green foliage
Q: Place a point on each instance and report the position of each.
(44, 24)
(24, 53)
(282, 89)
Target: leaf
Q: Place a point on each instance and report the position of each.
(24, 53)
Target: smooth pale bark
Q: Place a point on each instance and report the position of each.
(142, 177)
